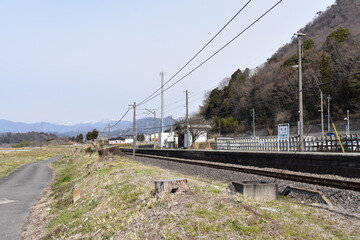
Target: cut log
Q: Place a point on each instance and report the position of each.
(171, 186)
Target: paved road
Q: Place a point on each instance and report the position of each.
(18, 192)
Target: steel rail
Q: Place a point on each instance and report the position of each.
(328, 182)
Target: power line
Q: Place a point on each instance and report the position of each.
(191, 96)
(146, 99)
(120, 119)
(227, 44)
(108, 126)
(182, 105)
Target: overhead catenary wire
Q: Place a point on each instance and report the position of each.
(207, 44)
(120, 118)
(182, 105)
(190, 96)
(108, 125)
(214, 54)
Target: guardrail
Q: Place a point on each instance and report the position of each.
(351, 143)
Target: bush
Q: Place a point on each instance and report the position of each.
(25, 144)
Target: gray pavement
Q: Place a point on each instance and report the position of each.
(18, 192)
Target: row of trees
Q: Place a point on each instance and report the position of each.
(14, 138)
(91, 135)
(78, 138)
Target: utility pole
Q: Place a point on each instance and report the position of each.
(187, 120)
(301, 111)
(171, 124)
(162, 109)
(253, 115)
(172, 144)
(348, 122)
(219, 127)
(153, 112)
(322, 114)
(328, 108)
(108, 135)
(134, 130)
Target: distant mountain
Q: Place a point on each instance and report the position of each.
(60, 129)
(144, 125)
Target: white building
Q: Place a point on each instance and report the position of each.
(169, 139)
(117, 140)
(201, 136)
(129, 139)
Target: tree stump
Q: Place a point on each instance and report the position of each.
(171, 186)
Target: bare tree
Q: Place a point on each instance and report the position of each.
(198, 126)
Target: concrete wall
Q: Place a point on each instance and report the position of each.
(343, 164)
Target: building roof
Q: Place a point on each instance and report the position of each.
(117, 138)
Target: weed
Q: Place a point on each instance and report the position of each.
(108, 235)
(165, 221)
(202, 213)
(219, 206)
(144, 172)
(189, 205)
(214, 191)
(238, 226)
(171, 236)
(104, 171)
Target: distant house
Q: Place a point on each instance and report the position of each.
(117, 140)
(129, 139)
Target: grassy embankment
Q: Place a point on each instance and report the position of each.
(117, 202)
(10, 159)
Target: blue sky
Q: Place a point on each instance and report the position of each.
(78, 61)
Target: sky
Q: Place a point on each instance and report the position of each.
(80, 61)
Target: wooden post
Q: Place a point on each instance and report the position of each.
(76, 194)
(171, 186)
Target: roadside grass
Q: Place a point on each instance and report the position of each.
(118, 202)
(11, 159)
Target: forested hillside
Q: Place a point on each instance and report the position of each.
(27, 139)
(331, 65)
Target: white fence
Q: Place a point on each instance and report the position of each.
(351, 143)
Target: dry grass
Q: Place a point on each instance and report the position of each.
(117, 202)
(10, 159)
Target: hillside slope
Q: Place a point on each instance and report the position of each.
(331, 65)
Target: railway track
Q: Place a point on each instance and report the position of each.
(328, 182)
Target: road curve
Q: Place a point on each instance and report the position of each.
(18, 192)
